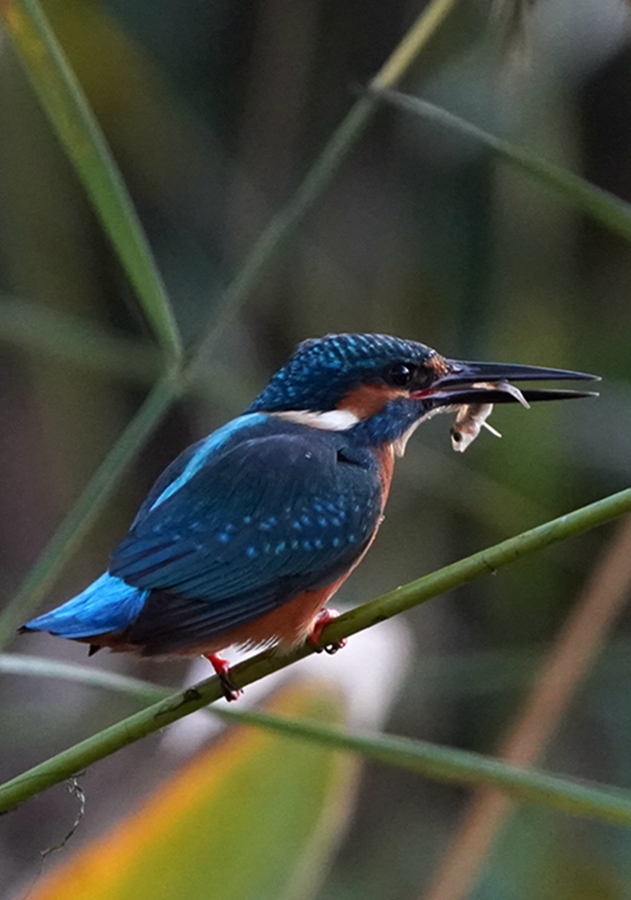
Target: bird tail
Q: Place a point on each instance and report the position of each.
(107, 605)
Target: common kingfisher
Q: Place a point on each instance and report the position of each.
(249, 532)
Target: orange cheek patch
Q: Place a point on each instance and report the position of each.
(369, 399)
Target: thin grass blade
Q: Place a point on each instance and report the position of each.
(433, 761)
(574, 191)
(68, 111)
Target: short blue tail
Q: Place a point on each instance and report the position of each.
(107, 605)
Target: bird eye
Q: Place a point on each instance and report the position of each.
(400, 374)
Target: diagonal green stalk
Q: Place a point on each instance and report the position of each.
(36, 328)
(163, 713)
(441, 763)
(483, 563)
(103, 483)
(447, 764)
(73, 121)
(90, 676)
(574, 191)
(433, 761)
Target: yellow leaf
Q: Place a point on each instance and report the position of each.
(255, 816)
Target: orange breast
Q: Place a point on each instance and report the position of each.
(288, 626)
(385, 456)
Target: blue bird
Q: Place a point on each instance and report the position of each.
(249, 532)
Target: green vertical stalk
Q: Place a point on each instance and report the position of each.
(73, 121)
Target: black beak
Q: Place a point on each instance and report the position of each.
(481, 382)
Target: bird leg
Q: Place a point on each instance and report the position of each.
(323, 618)
(224, 674)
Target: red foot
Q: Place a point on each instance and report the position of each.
(224, 674)
(324, 617)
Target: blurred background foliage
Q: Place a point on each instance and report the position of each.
(219, 823)
(214, 111)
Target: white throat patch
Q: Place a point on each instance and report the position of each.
(401, 443)
(333, 420)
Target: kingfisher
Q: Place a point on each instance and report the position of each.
(245, 537)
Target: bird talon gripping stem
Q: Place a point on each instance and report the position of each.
(324, 617)
(224, 674)
(248, 533)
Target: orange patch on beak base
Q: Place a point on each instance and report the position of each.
(369, 399)
(438, 365)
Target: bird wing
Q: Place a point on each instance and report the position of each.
(277, 511)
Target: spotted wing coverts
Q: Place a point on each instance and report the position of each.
(215, 558)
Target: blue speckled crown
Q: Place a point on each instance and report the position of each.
(322, 370)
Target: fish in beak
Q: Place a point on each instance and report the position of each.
(470, 389)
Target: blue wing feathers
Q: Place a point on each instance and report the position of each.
(267, 508)
(107, 605)
(242, 522)
(192, 459)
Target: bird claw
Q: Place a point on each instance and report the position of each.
(224, 674)
(324, 617)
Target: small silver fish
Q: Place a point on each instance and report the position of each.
(471, 417)
(469, 422)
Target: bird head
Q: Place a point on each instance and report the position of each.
(386, 385)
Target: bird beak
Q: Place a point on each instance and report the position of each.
(481, 382)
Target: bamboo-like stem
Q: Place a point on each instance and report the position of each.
(182, 703)
(483, 563)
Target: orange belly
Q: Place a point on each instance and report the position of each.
(287, 626)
